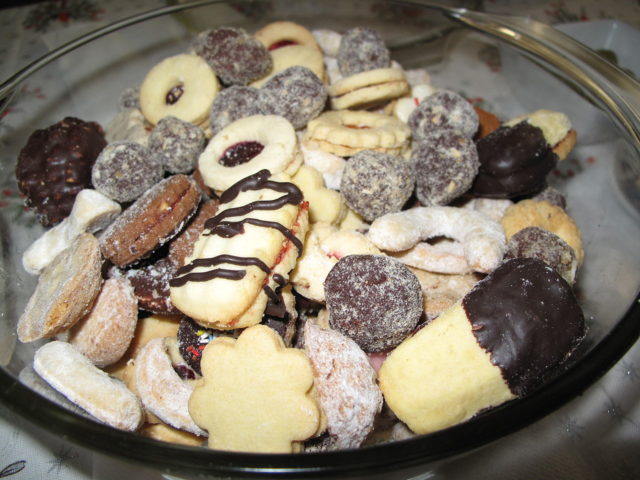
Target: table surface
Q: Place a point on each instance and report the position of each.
(597, 435)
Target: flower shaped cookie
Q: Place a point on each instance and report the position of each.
(256, 394)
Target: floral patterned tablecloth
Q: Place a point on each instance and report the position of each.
(595, 436)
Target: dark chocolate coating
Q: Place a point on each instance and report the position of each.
(514, 161)
(528, 319)
(55, 164)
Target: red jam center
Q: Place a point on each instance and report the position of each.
(240, 153)
(280, 44)
(174, 95)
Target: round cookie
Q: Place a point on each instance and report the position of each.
(362, 49)
(282, 33)
(150, 285)
(375, 183)
(368, 89)
(182, 86)
(374, 300)
(532, 213)
(446, 163)
(553, 196)
(177, 143)
(151, 221)
(444, 109)
(236, 57)
(296, 94)
(55, 164)
(232, 104)
(346, 132)
(292, 55)
(125, 170)
(535, 242)
(247, 146)
(192, 339)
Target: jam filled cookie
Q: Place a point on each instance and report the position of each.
(282, 34)
(368, 89)
(55, 164)
(247, 146)
(235, 56)
(182, 86)
(505, 336)
(244, 253)
(151, 221)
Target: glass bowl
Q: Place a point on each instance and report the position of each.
(88, 76)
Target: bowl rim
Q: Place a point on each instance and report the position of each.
(389, 457)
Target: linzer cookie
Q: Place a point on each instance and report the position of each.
(151, 221)
(245, 252)
(55, 164)
(368, 89)
(500, 342)
(281, 34)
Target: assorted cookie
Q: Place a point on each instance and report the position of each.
(285, 239)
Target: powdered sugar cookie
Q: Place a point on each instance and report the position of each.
(483, 239)
(182, 86)
(328, 41)
(343, 377)
(65, 292)
(256, 394)
(347, 132)
(329, 165)
(247, 146)
(73, 375)
(406, 105)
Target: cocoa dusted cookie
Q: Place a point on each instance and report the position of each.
(55, 164)
(362, 49)
(232, 104)
(151, 221)
(373, 299)
(177, 144)
(237, 57)
(444, 109)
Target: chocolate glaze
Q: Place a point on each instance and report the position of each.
(218, 226)
(528, 319)
(514, 161)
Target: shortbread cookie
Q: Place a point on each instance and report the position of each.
(235, 56)
(500, 342)
(105, 333)
(65, 292)
(166, 433)
(323, 247)
(55, 164)
(160, 388)
(282, 33)
(256, 394)
(374, 300)
(347, 132)
(375, 183)
(483, 239)
(325, 205)
(151, 221)
(73, 375)
(182, 86)
(244, 253)
(532, 213)
(343, 376)
(368, 89)
(91, 212)
(247, 146)
(292, 55)
(362, 49)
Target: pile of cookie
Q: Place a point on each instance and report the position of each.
(286, 242)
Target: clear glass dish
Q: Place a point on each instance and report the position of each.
(89, 80)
